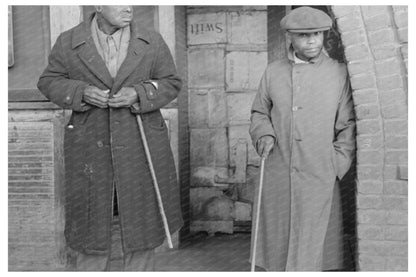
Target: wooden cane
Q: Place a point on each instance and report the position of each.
(256, 226)
(155, 184)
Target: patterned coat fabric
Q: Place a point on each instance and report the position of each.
(103, 147)
(309, 110)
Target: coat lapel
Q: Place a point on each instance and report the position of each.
(92, 59)
(88, 53)
(138, 46)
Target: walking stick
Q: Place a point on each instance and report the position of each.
(256, 226)
(155, 184)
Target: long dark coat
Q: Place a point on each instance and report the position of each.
(309, 110)
(104, 147)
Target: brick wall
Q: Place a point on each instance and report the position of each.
(227, 54)
(375, 43)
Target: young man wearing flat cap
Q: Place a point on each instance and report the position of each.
(303, 122)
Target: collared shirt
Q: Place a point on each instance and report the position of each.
(112, 48)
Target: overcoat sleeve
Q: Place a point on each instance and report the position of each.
(164, 84)
(344, 142)
(261, 124)
(56, 85)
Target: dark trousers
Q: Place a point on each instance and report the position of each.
(134, 261)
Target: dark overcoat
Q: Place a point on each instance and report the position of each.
(103, 147)
(309, 110)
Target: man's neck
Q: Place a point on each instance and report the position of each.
(104, 26)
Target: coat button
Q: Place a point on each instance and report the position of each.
(294, 108)
(100, 143)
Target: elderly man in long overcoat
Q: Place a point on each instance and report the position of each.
(108, 70)
(303, 121)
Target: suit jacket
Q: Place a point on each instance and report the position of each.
(103, 147)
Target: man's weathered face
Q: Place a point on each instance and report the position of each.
(307, 45)
(117, 16)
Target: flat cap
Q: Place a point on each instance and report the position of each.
(306, 20)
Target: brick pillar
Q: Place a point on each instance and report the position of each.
(375, 42)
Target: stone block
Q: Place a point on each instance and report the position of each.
(367, 111)
(386, 67)
(378, 22)
(368, 127)
(371, 263)
(369, 173)
(401, 18)
(365, 96)
(403, 35)
(396, 217)
(394, 111)
(398, 233)
(349, 23)
(360, 66)
(239, 107)
(207, 28)
(205, 176)
(391, 172)
(396, 157)
(404, 51)
(385, 51)
(373, 10)
(397, 264)
(357, 52)
(247, 27)
(395, 202)
(207, 108)
(400, 8)
(371, 216)
(370, 187)
(390, 82)
(396, 127)
(381, 37)
(369, 142)
(209, 147)
(242, 211)
(208, 65)
(340, 10)
(370, 157)
(369, 202)
(382, 248)
(198, 108)
(240, 132)
(363, 81)
(244, 70)
(396, 142)
(354, 37)
(396, 187)
(370, 232)
(210, 226)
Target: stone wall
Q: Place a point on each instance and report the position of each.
(227, 54)
(376, 44)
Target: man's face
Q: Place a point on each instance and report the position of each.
(117, 16)
(307, 45)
